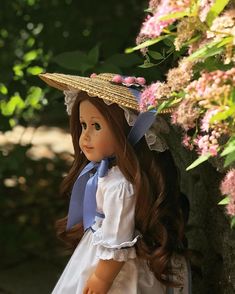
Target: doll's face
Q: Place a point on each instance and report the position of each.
(96, 140)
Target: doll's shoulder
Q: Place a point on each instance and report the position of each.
(115, 181)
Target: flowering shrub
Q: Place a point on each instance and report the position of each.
(201, 89)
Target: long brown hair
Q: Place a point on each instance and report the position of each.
(158, 215)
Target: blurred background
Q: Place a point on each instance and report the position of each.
(81, 37)
(77, 37)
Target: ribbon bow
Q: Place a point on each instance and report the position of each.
(82, 206)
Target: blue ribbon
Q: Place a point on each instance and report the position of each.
(82, 206)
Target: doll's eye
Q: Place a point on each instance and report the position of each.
(97, 126)
(83, 125)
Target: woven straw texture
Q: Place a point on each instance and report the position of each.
(98, 86)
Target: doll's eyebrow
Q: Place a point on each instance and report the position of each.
(93, 117)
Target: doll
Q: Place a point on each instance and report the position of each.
(125, 220)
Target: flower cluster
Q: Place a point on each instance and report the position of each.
(227, 187)
(201, 89)
(153, 25)
(186, 29)
(152, 95)
(204, 99)
(177, 79)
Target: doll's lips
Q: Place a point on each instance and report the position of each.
(87, 148)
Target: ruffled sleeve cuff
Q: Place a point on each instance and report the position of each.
(119, 252)
(116, 254)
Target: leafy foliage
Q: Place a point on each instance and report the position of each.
(201, 87)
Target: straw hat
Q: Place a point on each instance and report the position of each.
(99, 85)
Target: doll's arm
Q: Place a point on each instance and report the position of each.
(102, 278)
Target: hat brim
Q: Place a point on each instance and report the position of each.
(98, 86)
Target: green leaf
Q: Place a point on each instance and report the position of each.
(108, 67)
(93, 54)
(3, 89)
(215, 10)
(210, 64)
(145, 44)
(224, 201)
(229, 149)
(223, 115)
(225, 41)
(34, 96)
(15, 102)
(74, 60)
(34, 70)
(155, 55)
(18, 70)
(232, 224)
(169, 41)
(164, 105)
(198, 161)
(230, 158)
(30, 42)
(12, 122)
(124, 60)
(147, 65)
(175, 15)
(31, 55)
(206, 51)
(232, 96)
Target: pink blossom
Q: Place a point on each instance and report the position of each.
(153, 94)
(227, 186)
(186, 141)
(148, 96)
(174, 118)
(213, 150)
(153, 26)
(204, 8)
(186, 114)
(206, 145)
(205, 123)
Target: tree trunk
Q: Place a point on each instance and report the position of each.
(208, 231)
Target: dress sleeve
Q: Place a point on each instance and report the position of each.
(116, 236)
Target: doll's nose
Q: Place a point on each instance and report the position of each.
(86, 135)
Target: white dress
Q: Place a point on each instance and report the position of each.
(113, 237)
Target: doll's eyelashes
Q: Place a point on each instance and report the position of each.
(83, 125)
(97, 126)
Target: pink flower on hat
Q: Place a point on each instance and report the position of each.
(129, 81)
(93, 75)
(141, 81)
(117, 79)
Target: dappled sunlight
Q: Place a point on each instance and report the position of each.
(46, 142)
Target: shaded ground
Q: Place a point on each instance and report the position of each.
(33, 162)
